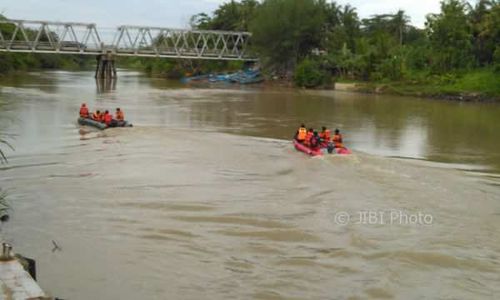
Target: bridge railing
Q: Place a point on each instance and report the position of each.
(85, 38)
(134, 40)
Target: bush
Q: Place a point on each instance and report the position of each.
(391, 68)
(309, 74)
(376, 76)
(5, 63)
(496, 59)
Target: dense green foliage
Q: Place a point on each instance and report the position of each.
(313, 41)
(311, 38)
(309, 73)
(175, 68)
(21, 62)
(284, 31)
(229, 16)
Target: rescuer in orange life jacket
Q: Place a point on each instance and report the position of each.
(337, 139)
(107, 118)
(309, 135)
(96, 116)
(301, 134)
(325, 134)
(84, 111)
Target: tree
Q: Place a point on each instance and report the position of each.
(450, 36)
(200, 21)
(332, 13)
(350, 23)
(400, 21)
(232, 15)
(485, 22)
(310, 74)
(285, 31)
(395, 24)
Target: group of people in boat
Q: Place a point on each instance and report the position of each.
(102, 117)
(314, 140)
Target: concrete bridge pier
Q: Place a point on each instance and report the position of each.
(105, 68)
(105, 85)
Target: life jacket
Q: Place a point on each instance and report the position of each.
(337, 141)
(96, 116)
(302, 133)
(120, 116)
(325, 135)
(84, 112)
(309, 135)
(107, 119)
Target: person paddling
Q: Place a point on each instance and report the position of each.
(301, 134)
(84, 111)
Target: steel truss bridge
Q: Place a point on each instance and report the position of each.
(142, 41)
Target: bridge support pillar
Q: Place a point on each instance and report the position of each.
(105, 66)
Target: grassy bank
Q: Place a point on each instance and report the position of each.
(476, 85)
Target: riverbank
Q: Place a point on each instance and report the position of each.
(12, 63)
(479, 85)
(475, 86)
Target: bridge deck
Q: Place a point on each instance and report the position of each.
(81, 38)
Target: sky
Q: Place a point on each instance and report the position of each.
(174, 13)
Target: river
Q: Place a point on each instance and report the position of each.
(205, 197)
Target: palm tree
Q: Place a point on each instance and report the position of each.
(400, 21)
(332, 15)
(350, 22)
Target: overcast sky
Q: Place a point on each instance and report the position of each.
(173, 13)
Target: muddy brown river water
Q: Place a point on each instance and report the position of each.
(205, 197)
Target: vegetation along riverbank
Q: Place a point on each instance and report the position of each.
(315, 42)
(480, 85)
